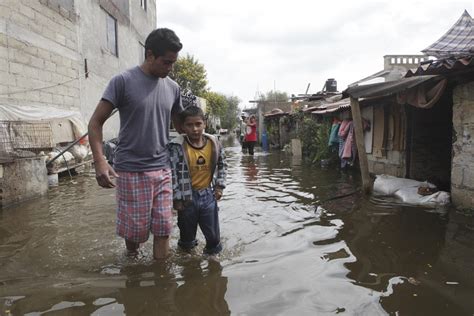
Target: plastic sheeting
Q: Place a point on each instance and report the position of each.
(43, 113)
(407, 191)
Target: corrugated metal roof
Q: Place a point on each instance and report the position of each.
(387, 88)
(332, 107)
(275, 112)
(444, 66)
(458, 40)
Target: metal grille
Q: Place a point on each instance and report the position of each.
(24, 139)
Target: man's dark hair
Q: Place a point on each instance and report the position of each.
(192, 111)
(162, 40)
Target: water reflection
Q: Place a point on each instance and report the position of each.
(202, 290)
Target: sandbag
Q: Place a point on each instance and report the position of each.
(407, 191)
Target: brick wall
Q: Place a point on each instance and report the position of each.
(44, 45)
(22, 179)
(39, 62)
(462, 173)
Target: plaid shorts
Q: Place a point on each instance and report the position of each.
(144, 203)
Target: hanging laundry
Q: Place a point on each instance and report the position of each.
(333, 135)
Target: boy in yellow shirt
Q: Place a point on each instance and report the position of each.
(198, 172)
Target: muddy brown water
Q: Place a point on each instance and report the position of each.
(283, 255)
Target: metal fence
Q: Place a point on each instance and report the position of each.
(21, 139)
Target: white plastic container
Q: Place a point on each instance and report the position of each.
(53, 180)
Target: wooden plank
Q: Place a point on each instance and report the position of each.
(359, 137)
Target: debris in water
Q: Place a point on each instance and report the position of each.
(413, 281)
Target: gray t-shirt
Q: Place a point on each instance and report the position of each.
(145, 104)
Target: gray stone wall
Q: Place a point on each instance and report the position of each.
(54, 53)
(102, 65)
(45, 45)
(462, 173)
(393, 164)
(39, 59)
(22, 179)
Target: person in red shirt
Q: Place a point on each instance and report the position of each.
(251, 134)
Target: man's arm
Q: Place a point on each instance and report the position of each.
(103, 170)
(176, 122)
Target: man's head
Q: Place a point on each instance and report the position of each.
(161, 52)
(193, 122)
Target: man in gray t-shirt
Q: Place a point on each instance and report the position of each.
(147, 100)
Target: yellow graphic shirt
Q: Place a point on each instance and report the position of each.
(199, 160)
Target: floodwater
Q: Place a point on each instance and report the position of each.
(283, 255)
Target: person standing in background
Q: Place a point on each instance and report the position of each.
(251, 134)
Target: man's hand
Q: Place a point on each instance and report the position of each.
(218, 193)
(103, 174)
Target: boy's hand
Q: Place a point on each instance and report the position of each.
(178, 205)
(218, 193)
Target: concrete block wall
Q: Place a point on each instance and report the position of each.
(102, 65)
(44, 45)
(393, 164)
(462, 172)
(39, 59)
(22, 179)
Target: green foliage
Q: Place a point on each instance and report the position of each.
(210, 130)
(231, 111)
(189, 73)
(307, 135)
(276, 96)
(216, 103)
(322, 140)
(315, 137)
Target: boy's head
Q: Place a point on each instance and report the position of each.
(193, 122)
(161, 51)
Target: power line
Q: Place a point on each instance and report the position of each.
(44, 88)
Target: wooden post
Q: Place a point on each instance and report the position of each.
(359, 137)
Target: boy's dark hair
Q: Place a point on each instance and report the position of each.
(192, 110)
(162, 40)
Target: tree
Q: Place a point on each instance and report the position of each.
(189, 73)
(276, 96)
(216, 103)
(231, 111)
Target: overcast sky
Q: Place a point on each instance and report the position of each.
(248, 46)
